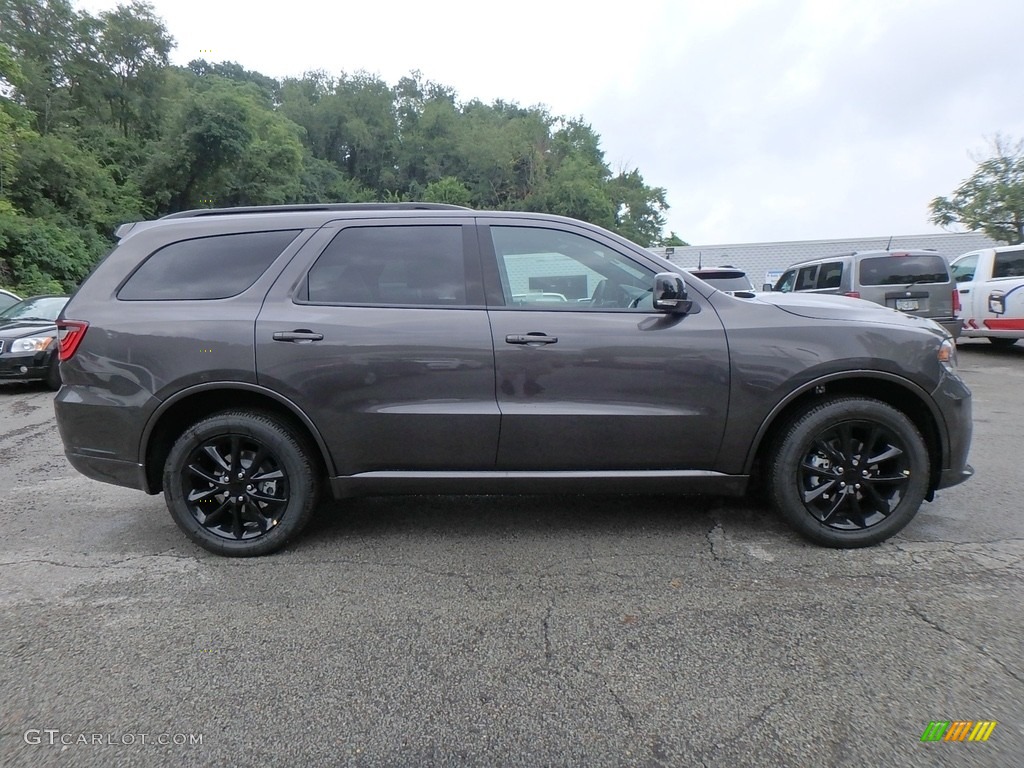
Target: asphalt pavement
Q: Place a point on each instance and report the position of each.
(517, 631)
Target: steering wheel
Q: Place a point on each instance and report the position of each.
(636, 302)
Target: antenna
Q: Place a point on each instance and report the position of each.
(889, 244)
(700, 259)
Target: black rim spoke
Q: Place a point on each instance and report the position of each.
(213, 517)
(828, 450)
(877, 502)
(257, 460)
(828, 474)
(891, 451)
(853, 475)
(214, 454)
(242, 481)
(819, 491)
(202, 474)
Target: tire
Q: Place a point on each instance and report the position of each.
(1001, 342)
(849, 472)
(52, 379)
(204, 500)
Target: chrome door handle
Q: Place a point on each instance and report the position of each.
(530, 338)
(302, 336)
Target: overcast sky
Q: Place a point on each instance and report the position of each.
(763, 119)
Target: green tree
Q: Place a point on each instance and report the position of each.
(672, 239)
(639, 209)
(133, 48)
(992, 199)
(447, 190)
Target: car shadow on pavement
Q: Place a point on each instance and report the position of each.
(488, 516)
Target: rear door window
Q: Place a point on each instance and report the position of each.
(903, 270)
(1009, 264)
(406, 265)
(830, 274)
(215, 267)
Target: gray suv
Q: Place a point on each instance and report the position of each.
(242, 361)
(916, 282)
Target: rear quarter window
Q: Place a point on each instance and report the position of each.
(903, 270)
(215, 267)
(1009, 264)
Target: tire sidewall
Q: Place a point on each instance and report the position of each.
(794, 445)
(287, 450)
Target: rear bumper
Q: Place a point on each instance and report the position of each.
(114, 471)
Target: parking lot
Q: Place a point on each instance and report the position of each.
(524, 631)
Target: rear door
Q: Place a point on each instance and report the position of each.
(597, 380)
(378, 332)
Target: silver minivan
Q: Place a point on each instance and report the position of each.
(915, 282)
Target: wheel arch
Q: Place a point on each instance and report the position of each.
(901, 394)
(185, 408)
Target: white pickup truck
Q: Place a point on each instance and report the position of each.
(990, 284)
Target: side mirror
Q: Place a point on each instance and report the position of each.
(670, 293)
(767, 287)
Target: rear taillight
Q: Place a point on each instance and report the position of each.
(70, 334)
(956, 301)
(852, 294)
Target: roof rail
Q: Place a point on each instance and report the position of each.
(315, 207)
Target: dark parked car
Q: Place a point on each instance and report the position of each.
(8, 299)
(28, 340)
(242, 360)
(727, 279)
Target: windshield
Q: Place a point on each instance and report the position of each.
(38, 308)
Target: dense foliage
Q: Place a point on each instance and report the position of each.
(97, 128)
(992, 199)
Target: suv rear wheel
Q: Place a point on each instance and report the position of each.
(849, 472)
(240, 483)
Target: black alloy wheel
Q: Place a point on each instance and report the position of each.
(849, 472)
(240, 483)
(234, 487)
(854, 475)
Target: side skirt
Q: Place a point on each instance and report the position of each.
(459, 483)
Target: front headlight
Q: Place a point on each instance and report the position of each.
(947, 354)
(32, 344)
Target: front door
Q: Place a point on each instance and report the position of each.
(589, 376)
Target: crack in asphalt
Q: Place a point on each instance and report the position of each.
(758, 719)
(980, 649)
(546, 628)
(112, 564)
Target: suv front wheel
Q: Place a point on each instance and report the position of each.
(240, 483)
(849, 472)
